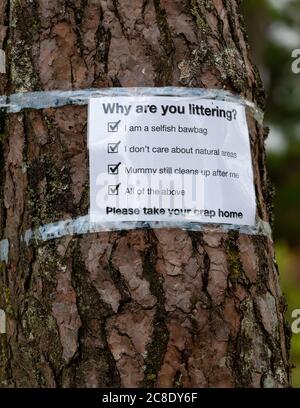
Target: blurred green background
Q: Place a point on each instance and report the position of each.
(274, 32)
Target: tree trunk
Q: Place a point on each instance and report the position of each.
(162, 307)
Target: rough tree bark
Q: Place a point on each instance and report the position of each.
(133, 308)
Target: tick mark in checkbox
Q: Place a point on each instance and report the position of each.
(113, 189)
(113, 168)
(113, 126)
(113, 147)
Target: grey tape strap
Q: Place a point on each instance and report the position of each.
(82, 225)
(49, 99)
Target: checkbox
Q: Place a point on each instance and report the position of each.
(113, 189)
(113, 126)
(113, 168)
(113, 147)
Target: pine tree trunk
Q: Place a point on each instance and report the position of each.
(162, 307)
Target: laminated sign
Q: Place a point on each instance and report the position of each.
(178, 159)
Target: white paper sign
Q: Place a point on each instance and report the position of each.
(157, 158)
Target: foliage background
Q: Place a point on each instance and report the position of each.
(274, 32)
